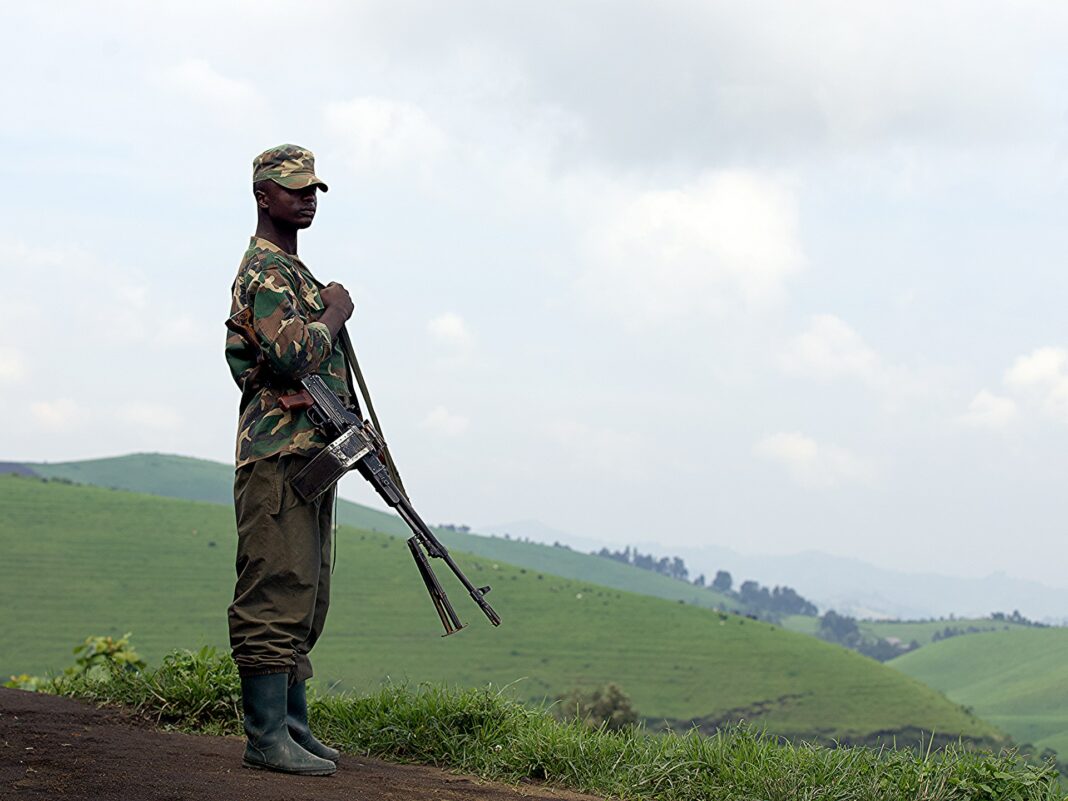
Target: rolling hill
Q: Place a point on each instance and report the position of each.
(922, 632)
(83, 560)
(1017, 680)
(201, 480)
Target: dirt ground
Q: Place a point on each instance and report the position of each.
(63, 750)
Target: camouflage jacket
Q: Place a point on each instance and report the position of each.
(283, 297)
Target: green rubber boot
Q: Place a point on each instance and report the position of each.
(297, 720)
(269, 745)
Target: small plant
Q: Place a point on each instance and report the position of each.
(105, 652)
(24, 681)
(96, 659)
(197, 690)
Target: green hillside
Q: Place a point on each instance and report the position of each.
(200, 480)
(84, 560)
(906, 631)
(192, 479)
(802, 624)
(924, 631)
(1018, 680)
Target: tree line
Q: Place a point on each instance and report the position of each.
(671, 566)
(843, 630)
(766, 602)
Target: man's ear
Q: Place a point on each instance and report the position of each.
(259, 191)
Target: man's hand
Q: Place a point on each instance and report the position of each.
(334, 294)
(339, 307)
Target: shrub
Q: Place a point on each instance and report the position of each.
(608, 707)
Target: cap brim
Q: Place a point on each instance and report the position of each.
(300, 180)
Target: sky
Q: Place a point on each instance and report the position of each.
(768, 275)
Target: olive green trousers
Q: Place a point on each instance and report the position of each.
(283, 570)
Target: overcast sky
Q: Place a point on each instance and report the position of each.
(776, 276)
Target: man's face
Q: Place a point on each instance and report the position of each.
(289, 207)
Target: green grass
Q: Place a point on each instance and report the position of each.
(192, 479)
(83, 560)
(483, 732)
(200, 480)
(1018, 680)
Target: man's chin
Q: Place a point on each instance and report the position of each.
(303, 222)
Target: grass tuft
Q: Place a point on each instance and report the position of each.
(483, 732)
(192, 690)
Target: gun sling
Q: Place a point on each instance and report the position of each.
(354, 370)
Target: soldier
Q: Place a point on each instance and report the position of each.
(283, 549)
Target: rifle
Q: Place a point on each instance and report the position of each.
(355, 443)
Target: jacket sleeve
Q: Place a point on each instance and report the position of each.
(292, 345)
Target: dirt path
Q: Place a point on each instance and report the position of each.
(63, 750)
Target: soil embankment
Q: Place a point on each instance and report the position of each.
(63, 750)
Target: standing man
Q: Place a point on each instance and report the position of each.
(291, 325)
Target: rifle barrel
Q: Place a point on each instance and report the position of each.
(437, 550)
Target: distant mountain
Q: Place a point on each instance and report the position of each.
(536, 531)
(849, 586)
(854, 587)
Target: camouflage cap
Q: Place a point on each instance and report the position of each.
(291, 166)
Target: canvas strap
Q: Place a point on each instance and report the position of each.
(355, 371)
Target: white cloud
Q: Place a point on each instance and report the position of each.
(1042, 377)
(450, 329)
(988, 410)
(729, 238)
(150, 415)
(811, 464)
(376, 132)
(830, 348)
(444, 423)
(1037, 381)
(12, 366)
(1040, 368)
(62, 414)
(198, 80)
